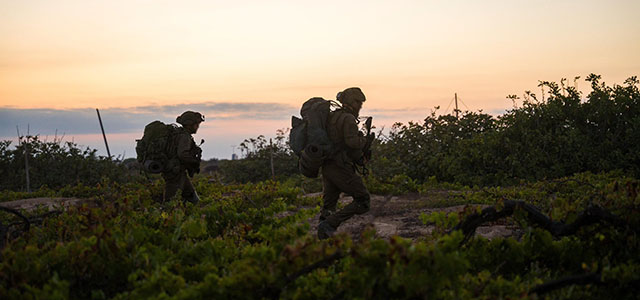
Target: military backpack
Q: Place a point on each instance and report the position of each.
(308, 137)
(155, 148)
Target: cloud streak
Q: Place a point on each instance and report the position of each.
(226, 123)
(128, 120)
(124, 120)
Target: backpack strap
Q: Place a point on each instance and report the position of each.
(171, 147)
(336, 124)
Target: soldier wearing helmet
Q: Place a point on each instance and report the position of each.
(186, 159)
(339, 171)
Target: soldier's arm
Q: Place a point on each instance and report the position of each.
(184, 150)
(352, 137)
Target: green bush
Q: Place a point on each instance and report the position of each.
(253, 242)
(255, 166)
(55, 165)
(557, 137)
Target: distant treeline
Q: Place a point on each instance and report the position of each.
(54, 164)
(553, 137)
(257, 154)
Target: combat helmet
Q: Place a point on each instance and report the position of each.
(351, 96)
(190, 117)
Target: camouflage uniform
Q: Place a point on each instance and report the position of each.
(339, 172)
(185, 163)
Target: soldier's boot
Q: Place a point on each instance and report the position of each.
(325, 230)
(358, 207)
(325, 213)
(194, 198)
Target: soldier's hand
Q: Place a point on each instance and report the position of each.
(371, 137)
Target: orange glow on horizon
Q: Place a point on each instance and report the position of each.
(76, 54)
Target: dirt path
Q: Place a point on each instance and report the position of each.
(389, 215)
(49, 203)
(400, 215)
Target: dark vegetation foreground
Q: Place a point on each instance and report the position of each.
(559, 177)
(254, 241)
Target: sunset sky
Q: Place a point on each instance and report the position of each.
(248, 65)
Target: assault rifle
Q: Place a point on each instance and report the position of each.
(196, 151)
(370, 138)
(367, 146)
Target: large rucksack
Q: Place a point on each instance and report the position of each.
(308, 137)
(154, 149)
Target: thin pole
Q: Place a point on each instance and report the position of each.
(103, 135)
(26, 165)
(26, 156)
(273, 173)
(456, 105)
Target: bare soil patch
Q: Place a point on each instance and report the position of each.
(400, 216)
(48, 203)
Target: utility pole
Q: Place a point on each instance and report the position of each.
(103, 135)
(456, 96)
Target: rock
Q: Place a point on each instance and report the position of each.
(385, 229)
(495, 231)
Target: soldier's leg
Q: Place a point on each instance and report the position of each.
(330, 196)
(349, 182)
(172, 184)
(188, 191)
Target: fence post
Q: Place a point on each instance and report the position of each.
(273, 173)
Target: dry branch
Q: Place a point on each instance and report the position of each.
(582, 279)
(26, 221)
(324, 263)
(274, 291)
(592, 215)
(4, 229)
